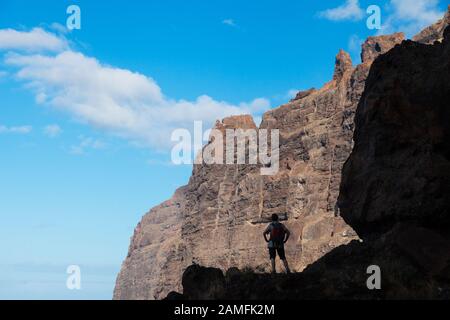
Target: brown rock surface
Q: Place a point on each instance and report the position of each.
(303, 94)
(217, 219)
(375, 46)
(434, 32)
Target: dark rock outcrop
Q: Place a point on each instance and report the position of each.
(340, 274)
(399, 170)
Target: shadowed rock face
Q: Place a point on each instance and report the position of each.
(218, 218)
(153, 263)
(394, 192)
(399, 170)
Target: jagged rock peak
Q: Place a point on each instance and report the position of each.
(342, 65)
(374, 46)
(303, 94)
(435, 32)
(236, 122)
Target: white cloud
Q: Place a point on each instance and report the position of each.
(350, 10)
(229, 22)
(59, 28)
(52, 130)
(92, 143)
(76, 150)
(125, 103)
(410, 16)
(34, 40)
(354, 47)
(16, 130)
(85, 144)
(354, 43)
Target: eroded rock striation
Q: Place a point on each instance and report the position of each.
(218, 218)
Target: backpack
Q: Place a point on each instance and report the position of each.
(277, 234)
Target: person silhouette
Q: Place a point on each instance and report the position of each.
(279, 235)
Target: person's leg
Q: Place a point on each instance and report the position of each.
(282, 255)
(272, 254)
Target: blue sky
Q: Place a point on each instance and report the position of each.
(86, 115)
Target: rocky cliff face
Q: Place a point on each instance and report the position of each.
(218, 218)
(434, 32)
(399, 170)
(394, 193)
